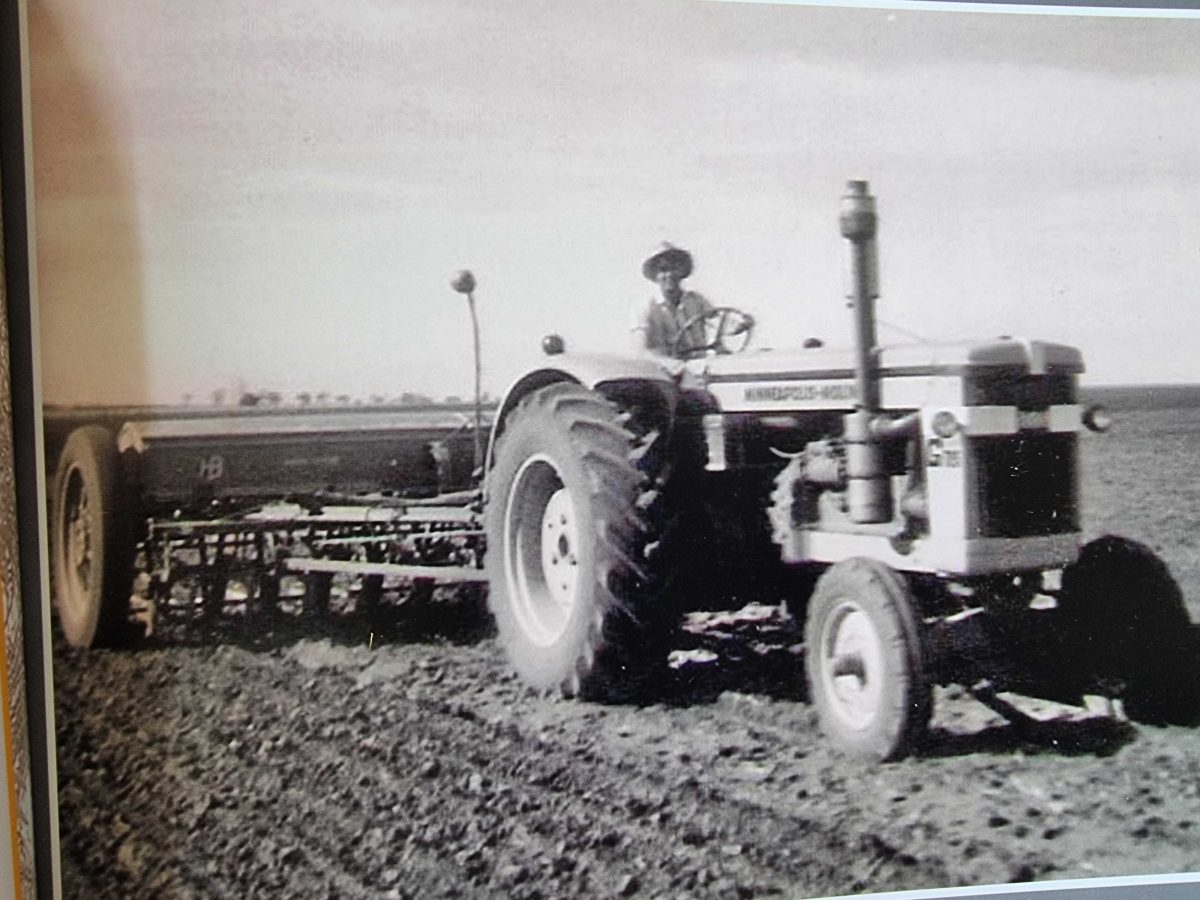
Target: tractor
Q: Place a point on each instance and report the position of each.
(918, 504)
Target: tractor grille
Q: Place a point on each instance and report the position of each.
(1023, 485)
(1014, 387)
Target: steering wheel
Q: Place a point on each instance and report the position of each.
(722, 322)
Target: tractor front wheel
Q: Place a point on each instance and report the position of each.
(865, 661)
(567, 541)
(1126, 627)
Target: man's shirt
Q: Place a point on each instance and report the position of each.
(657, 325)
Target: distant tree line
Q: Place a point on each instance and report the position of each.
(241, 397)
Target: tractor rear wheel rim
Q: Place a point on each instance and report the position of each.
(852, 665)
(76, 541)
(541, 550)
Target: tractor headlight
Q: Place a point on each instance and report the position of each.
(945, 425)
(1096, 418)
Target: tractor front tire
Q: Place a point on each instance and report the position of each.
(567, 542)
(865, 661)
(1125, 624)
(92, 542)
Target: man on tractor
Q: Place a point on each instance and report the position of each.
(679, 323)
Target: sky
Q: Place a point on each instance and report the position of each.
(275, 197)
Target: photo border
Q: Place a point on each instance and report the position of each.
(28, 470)
(24, 406)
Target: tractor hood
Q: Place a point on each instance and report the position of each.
(1031, 357)
(910, 375)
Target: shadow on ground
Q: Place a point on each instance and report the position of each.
(1081, 737)
(776, 672)
(754, 650)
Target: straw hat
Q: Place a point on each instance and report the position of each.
(668, 256)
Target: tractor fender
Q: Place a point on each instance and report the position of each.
(629, 380)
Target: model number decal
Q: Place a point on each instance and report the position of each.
(940, 455)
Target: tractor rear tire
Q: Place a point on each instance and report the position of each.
(567, 543)
(865, 661)
(1125, 625)
(92, 542)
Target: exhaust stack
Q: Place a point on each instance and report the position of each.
(868, 488)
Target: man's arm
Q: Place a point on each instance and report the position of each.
(648, 339)
(639, 327)
(648, 331)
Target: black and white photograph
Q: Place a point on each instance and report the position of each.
(660, 449)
